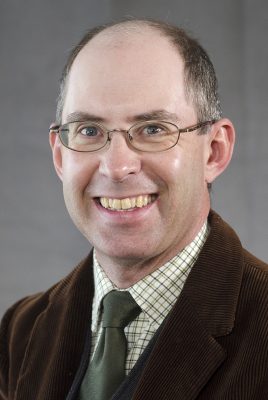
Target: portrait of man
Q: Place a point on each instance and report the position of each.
(168, 304)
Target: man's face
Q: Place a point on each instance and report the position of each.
(117, 81)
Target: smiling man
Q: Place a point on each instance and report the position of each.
(168, 305)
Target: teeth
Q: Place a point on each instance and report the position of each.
(127, 203)
(116, 204)
(105, 202)
(133, 202)
(139, 201)
(145, 201)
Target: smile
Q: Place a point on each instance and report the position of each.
(128, 203)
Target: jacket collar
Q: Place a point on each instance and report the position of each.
(214, 283)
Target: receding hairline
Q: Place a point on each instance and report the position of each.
(202, 91)
(128, 28)
(106, 34)
(115, 36)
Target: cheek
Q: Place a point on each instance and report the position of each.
(169, 164)
(77, 170)
(176, 166)
(77, 173)
(171, 168)
(183, 173)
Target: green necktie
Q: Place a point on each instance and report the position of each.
(107, 368)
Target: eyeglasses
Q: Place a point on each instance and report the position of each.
(148, 136)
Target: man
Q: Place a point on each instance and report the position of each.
(139, 139)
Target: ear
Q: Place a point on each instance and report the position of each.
(220, 148)
(56, 148)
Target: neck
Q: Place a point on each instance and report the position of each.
(125, 272)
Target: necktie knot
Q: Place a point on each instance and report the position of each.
(119, 309)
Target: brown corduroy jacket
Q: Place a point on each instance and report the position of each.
(213, 346)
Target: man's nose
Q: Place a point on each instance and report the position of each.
(118, 160)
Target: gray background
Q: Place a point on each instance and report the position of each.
(38, 242)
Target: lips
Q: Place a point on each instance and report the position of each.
(127, 203)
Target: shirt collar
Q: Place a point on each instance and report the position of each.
(157, 292)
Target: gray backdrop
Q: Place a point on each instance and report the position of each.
(38, 242)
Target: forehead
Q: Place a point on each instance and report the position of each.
(120, 67)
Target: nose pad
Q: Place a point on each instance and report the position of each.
(119, 131)
(119, 160)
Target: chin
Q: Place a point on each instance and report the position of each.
(127, 256)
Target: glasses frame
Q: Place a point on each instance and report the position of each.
(58, 128)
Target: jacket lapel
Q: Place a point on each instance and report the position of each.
(54, 352)
(187, 353)
(183, 359)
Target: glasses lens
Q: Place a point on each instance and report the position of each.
(154, 135)
(83, 136)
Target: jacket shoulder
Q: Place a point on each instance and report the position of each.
(18, 326)
(20, 317)
(255, 263)
(255, 283)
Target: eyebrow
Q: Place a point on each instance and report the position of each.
(147, 116)
(83, 116)
(155, 114)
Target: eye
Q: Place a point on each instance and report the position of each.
(154, 129)
(90, 131)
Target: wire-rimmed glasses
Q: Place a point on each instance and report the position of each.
(147, 136)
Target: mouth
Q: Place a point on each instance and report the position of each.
(127, 203)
